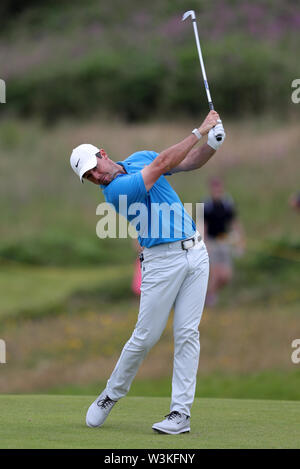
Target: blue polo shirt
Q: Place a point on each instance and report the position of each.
(158, 215)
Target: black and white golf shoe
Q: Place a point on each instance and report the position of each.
(174, 424)
(99, 410)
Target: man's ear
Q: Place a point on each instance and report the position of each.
(103, 153)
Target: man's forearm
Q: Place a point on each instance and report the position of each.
(195, 159)
(173, 156)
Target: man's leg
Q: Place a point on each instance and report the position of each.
(187, 315)
(161, 281)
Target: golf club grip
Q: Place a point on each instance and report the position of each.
(219, 137)
(211, 108)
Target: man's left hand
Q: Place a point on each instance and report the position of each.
(217, 130)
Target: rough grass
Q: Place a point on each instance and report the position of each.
(33, 291)
(249, 332)
(59, 422)
(81, 345)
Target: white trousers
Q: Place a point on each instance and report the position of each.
(170, 277)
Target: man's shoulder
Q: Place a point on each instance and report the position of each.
(123, 183)
(141, 155)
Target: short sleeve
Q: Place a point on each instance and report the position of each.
(152, 154)
(131, 185)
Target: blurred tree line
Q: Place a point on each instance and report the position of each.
(139, 61)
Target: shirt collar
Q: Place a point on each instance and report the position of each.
(121, 163)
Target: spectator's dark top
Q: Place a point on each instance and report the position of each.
(218, 215)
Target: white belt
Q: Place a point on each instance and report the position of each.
(184, 245)
(190, 242)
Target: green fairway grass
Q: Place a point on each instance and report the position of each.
(264, 385)
(49, 421)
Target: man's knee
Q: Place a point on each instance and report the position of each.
(143, 339)
(186, 336)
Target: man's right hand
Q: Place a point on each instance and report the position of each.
(209, 122)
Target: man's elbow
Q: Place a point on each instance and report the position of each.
(163, 163)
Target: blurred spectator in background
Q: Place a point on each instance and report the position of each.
(224, 238)
(137, 277)
(294, 201)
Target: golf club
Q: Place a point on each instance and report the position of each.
(191, 13)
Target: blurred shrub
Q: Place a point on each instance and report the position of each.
(10, 8)
(63, 250)
(137, 60)
(244, 76)
(130, 86)
(278, 256)
(267, 274)
(107, 290)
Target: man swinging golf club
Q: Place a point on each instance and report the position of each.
(174, 268)
(175, 265)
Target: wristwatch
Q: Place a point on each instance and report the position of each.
(197, 133)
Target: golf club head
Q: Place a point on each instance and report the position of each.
(187, 14)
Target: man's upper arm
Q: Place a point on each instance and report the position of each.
(183, 166)
(151, 174)
(153, 171)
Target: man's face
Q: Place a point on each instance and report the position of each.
(103, 172)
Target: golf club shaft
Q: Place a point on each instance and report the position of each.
(210, 103)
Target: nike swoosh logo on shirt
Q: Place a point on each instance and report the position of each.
(76, 165)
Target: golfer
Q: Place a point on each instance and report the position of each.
(174, 264)
(224, 237)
